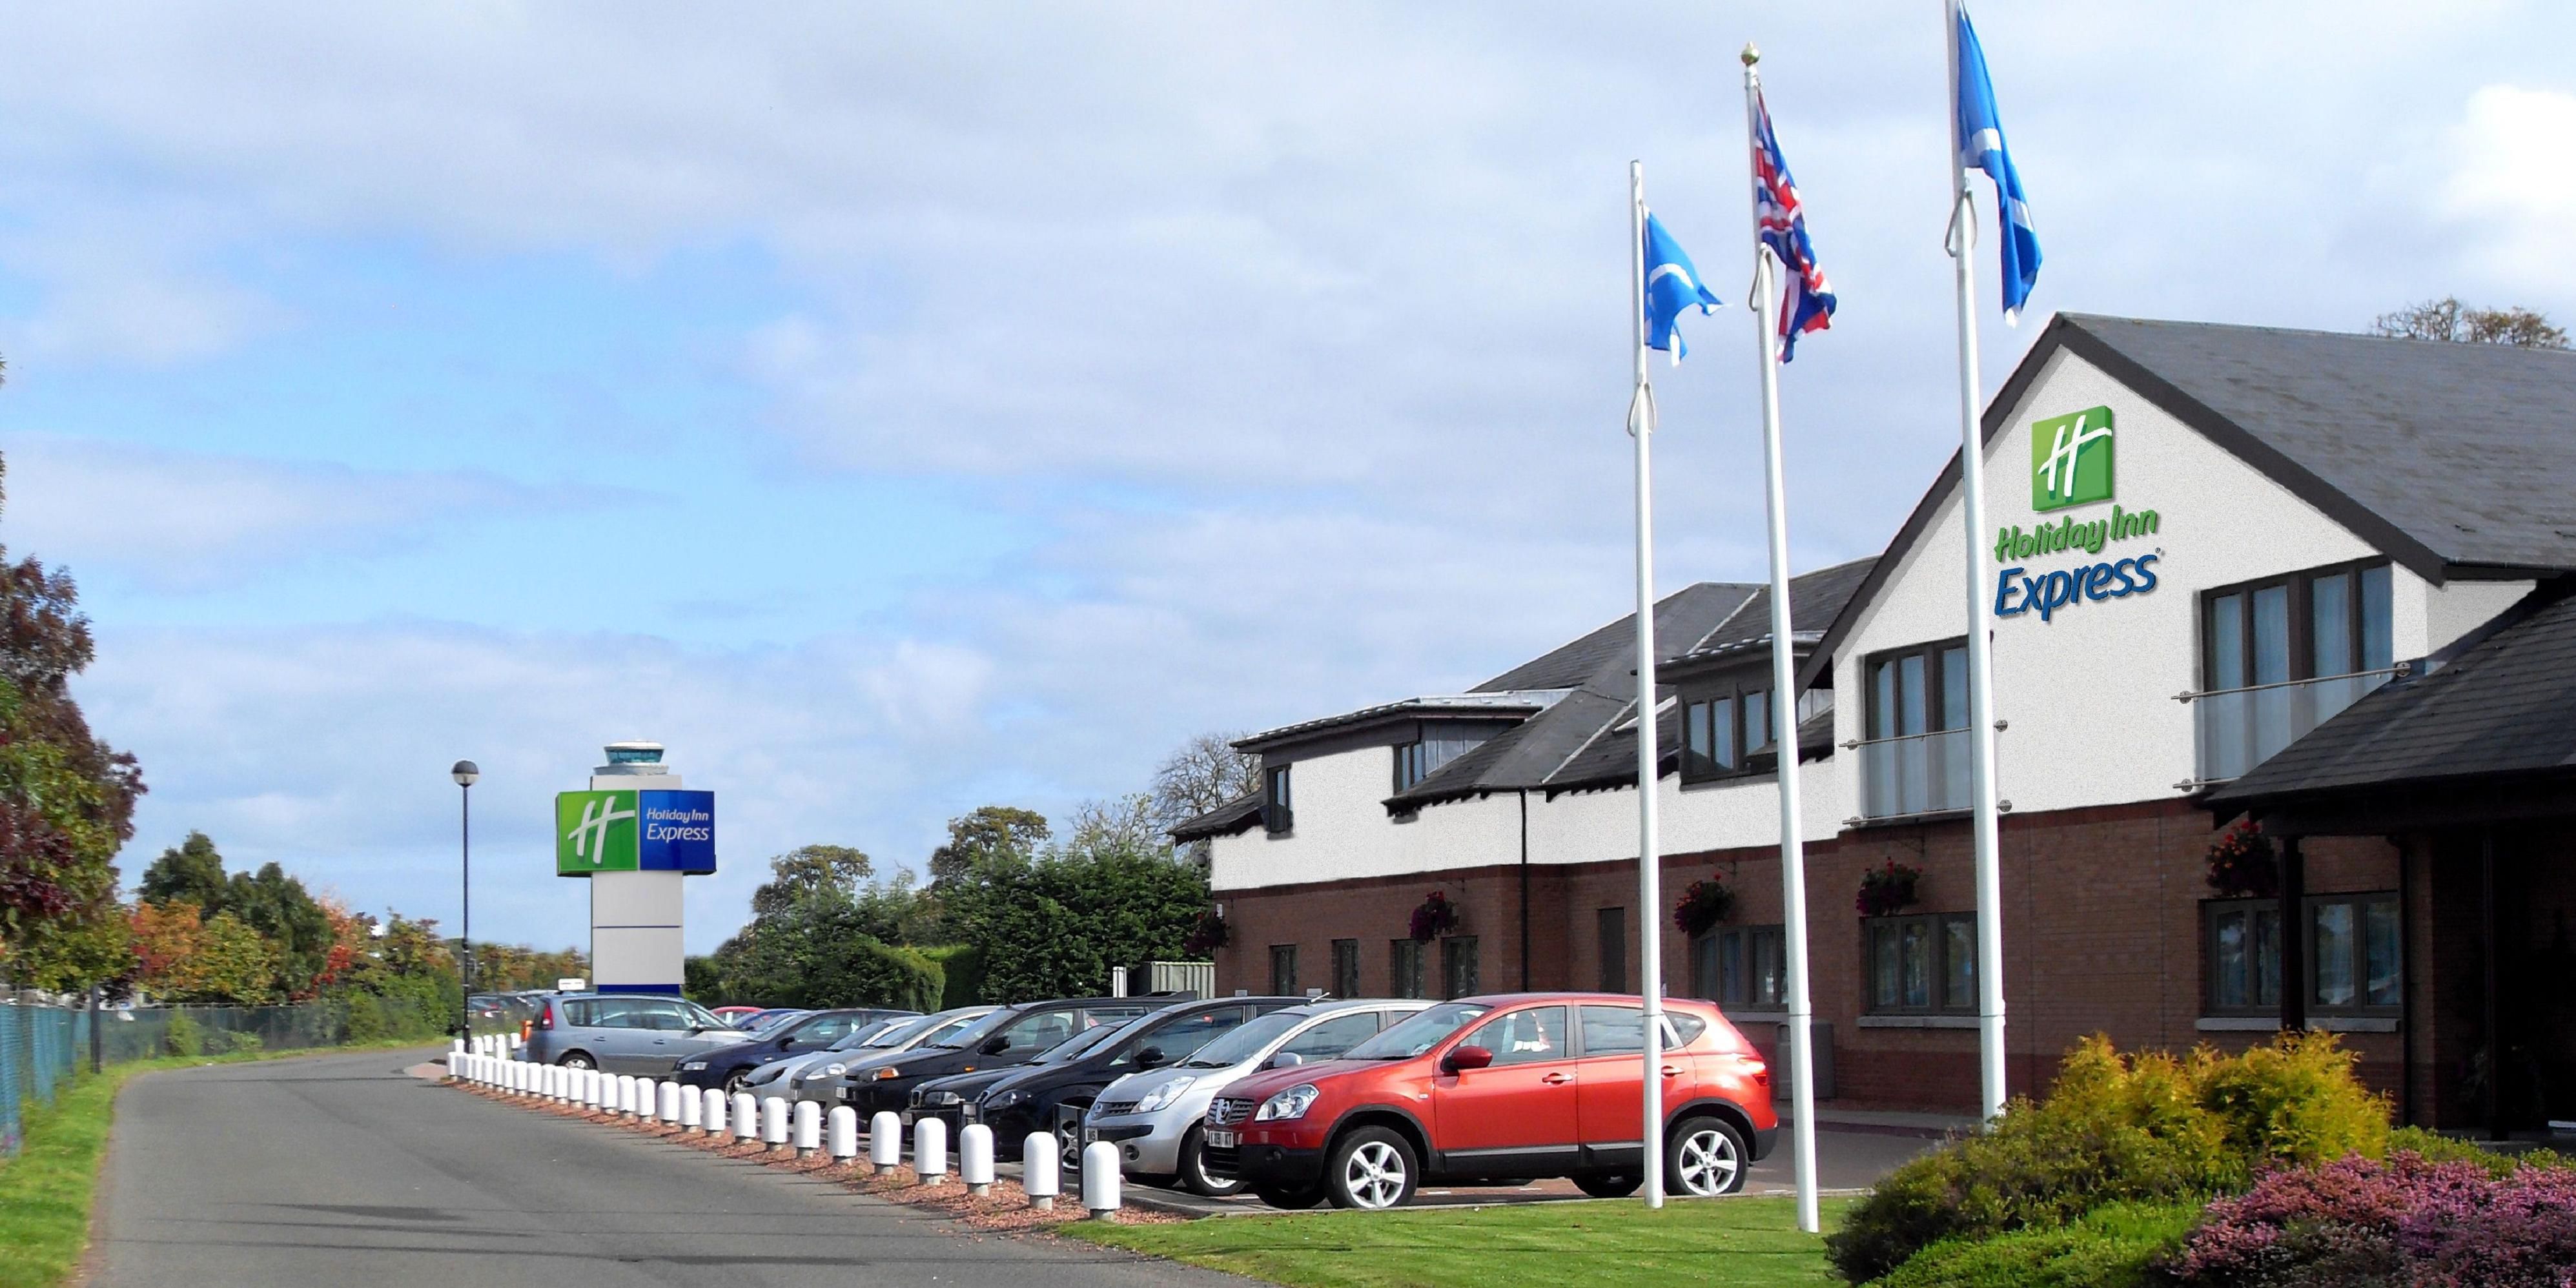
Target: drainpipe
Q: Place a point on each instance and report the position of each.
(2405, 984)
(2294, 952)
(1525, 949)
(2487, 920)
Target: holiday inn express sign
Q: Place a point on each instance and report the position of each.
(634, 831)
(2071, 460)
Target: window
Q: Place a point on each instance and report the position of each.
(1412, 764)
(1276, 814)
(2353, 955)
(1035, 1033)
(1346, 968)
(1182, 1038)
(1724, 731)
(1922, 964)
(1621, 1030)
(663, 1017)
(1283, 970)
(1742, 968)
(1523, 1037)
(1915, 760)
(1458, 966)
(1612, 926)
(2308, 625)
(1404, 968)
(1328, 1040)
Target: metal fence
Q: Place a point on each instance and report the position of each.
(42, 1045)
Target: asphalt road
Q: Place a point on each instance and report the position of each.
(339, 1170)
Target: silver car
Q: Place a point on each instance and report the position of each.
(639, 1033)
(1153, 1116)
(782, 1065)
(818, 1077)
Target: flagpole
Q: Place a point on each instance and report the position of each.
(1650, 975)
(1784, 706)
(1981, 704)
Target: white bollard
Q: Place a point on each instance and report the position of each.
(625, 1094)
(670, 1106)
(975, 1158)
(1100, 1179)
(930, 1150)
(692, 1109)
(1041, 1170)
(885, 1141)
(555, 1074)
(518, 1076)
(648, 1099)
(599, 1088)
(746, 1116)
(773, 1122)
(711, 1113)
(809, 1127)
(842, 1135)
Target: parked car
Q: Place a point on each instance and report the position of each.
(1012, 1035)
(759, 1021)
(1053, 1096)
(818, 1077)
(1484, 1090)
(640, 1033)
(952, 1099)
(1154, 1115)
(773, 1070)
(736, 1014)
(727, 1066)
(506, 1011)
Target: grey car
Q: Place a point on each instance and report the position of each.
(819, 1078)
(1153, 1115)
(639, 1033)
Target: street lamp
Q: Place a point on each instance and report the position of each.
(465, 773)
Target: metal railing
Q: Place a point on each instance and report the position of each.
(42, 1045)
(1916, 773)
(2233, 730)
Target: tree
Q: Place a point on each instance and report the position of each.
(1200, 775)
(232, 964)
(990, 833)
(286, 915)
(1120, 823)
(809, 873)
(2448, 319)
(190, 872)
(1053, 926)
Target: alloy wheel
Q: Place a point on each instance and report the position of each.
(1705, 1162)
(1374, 1175)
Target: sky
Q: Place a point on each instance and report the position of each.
(895, 409)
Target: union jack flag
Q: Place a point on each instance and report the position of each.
(1808, 302)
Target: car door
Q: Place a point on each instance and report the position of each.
(665, 1033)
(1610, 1101)
(616, 1035)
(1516, 1116)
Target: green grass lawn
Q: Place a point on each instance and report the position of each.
(1719, 1242)
(45, 1192)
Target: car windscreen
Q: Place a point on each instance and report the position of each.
(1419, 1034)
(873, 1034)
(1244, 1043)
(1080, 1044)
(977, 1031)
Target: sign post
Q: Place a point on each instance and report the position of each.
(633, 835)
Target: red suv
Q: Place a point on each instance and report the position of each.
(1497, 1090)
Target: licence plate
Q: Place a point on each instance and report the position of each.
(1090, 1134)
(908, 1117)
(1222, 1138)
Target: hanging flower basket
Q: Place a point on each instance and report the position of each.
(1437, 916)
(2243, 864)
(1888, 889)
(1207, 934)
(1703, 906)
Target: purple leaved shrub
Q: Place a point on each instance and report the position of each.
(2407, 1221)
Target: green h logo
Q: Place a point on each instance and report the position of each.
(2070, 459)
(594, 832)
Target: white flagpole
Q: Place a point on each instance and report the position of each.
(1784, 705)
(1981, 671)
(1650, 975)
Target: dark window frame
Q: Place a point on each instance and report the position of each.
(1278, 816)
(1406, 974)
(1608, 923)
(1709, 983)
(2360, 901)
(1346, 968)
(1753, 752)
(1283, 983)
(1455, 950)
(1935, 687)
(1411, 763)
(1937, 967)
(2301, 643)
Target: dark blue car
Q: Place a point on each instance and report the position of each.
(726, 1067)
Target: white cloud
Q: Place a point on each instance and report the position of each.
(2512, 187)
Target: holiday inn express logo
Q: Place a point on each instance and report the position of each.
(595, 832)
(2070, 459)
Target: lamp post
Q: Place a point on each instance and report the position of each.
(465, 773)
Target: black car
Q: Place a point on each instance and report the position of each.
(1051, 1096)
(1008, 1037)
(727, 1066)
(952, 1099)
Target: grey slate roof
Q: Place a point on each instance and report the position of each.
(1504, 703)
(2505, 706)
(1238, 815)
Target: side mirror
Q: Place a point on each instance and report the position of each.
(786, 1044)
(995, 1045)
(1465, 1058)
(1286, 1060)
(1151, 1058)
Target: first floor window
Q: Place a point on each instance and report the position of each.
(1742, 967)
(1412, 763)
(1346, 968)
(1283, 970)
(1722, 731)
(1276, 815)
(1612, 930)
(1404, 968)
(1458, 972)
(2353, 964)
(1922, 964)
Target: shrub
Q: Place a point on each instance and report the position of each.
(184, 1036)
(2409, 1220)
(2115, 1246)
(242, 1040)
(2293, 1101)
(2435, 1147)
(962, 974)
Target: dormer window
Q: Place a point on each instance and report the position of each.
(1724, 729)
(1412, 763)
(1275, 813)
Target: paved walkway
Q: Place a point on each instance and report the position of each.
(341, 1170)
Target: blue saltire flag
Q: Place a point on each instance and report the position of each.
(1979, 133)
(1671, 286)
(1807, 301)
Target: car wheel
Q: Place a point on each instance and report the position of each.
(1068, 1140)
(1705, 1158)
(1372, 1169)
(1617, 1185)
(1291, 1200)
(577, 1060)
(734, 1081)
(1194, 1172)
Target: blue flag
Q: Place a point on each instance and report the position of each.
(1671, 286)
(1979, 132)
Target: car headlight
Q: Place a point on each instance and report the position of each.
(1164, 1093)
(939, 1098)
(694, 1065)
(1292, 1103)
(888, 1074)
(835, 1070)
(1004, 1099)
